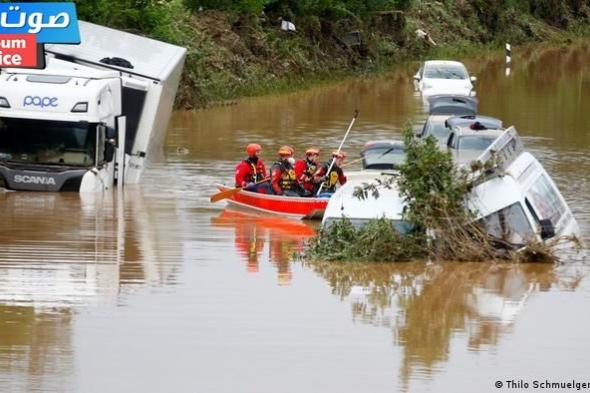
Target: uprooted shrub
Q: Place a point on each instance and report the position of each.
(375, 241)
(434, 191)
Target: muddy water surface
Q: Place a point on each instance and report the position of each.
(157, 290)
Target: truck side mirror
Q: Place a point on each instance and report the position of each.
(111, 142)
(109, 152)
(111, 133)
(547, 229)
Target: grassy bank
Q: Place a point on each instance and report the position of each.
(237, 48)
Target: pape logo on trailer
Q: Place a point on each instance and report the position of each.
(42, 102)
(25, 27)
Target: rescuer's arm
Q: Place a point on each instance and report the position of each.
(275, 178)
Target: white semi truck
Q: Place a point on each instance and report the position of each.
(93, 117)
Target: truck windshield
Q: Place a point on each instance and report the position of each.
(26, 141)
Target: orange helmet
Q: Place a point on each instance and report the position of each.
(286, 151)
(339, 154)
(252, 148)
(312, 150)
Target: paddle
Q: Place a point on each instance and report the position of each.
(229, 193)
(356, 113)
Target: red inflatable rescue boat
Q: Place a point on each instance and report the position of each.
(292, 207)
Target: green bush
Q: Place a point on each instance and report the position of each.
(241, 6)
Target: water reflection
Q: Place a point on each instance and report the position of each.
(60, 252)
(427, 306)
(35, 349)
(545, 96)
(266, 238)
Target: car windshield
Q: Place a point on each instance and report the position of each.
(386, 157)
(475, 142)
(439, 131)
(445, 71)
(509, 224)
(47, 142)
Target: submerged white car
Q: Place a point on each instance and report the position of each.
(443, 77)
(380, 160)
(440, 109)
(520, 203)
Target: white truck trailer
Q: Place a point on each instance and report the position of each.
(93, 117)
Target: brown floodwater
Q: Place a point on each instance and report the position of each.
(157, 290)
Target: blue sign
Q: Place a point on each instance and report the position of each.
(52, 23)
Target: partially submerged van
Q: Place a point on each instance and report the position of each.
(520, 202)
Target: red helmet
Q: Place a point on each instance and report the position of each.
(253, 148)
(286, 151)
(339, 154)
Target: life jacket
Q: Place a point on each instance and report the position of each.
(256, 175)
(310, 168)
(288, 178)
(332, 178)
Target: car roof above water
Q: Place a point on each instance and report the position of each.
(452, 104)
(490, 123)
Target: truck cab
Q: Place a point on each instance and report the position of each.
(57, 126)
(92, 118)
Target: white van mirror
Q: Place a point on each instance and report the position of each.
(473, 78)
(547, 229)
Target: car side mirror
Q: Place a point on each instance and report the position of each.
(473, 78)
(417, 78)
(547, 229)
(418, 131)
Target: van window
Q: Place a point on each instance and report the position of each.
(545, 200)
(509, 224)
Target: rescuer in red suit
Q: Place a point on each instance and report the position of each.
(336, 175)
(251, 171)
(283, 177)
(305, 170)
